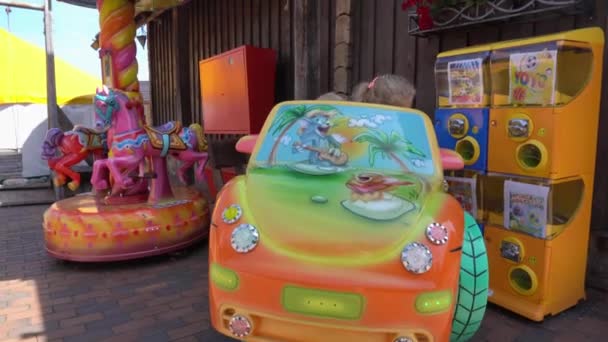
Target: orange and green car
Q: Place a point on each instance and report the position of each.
(342, 230)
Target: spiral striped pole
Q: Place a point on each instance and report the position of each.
(118, 51)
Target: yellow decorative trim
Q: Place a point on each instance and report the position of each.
(476, 150)
(592, 35)
(520, 116)
(543, 155)
(522, 250)
(533, 278)
(223, 277)
(466, 125)
(433, 302)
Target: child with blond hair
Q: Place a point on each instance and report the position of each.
(388, 89)
(332, 96)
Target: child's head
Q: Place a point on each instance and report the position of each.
(332, 96)
(393, 90)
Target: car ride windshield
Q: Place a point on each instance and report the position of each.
(321, 139)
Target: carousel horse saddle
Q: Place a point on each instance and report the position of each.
(90, 138)
(168, 128)
(88, 130)
(166, 137)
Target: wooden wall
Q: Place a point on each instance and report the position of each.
(181, 37)
(381, 44)
(161, 68)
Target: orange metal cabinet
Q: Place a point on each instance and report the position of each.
(237, 90)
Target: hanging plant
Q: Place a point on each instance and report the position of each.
(427, 10)
(423, 10)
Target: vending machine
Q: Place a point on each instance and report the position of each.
(461, 120)
(543, 126)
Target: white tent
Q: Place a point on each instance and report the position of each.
(24, 127)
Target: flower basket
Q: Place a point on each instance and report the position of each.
(428, 16)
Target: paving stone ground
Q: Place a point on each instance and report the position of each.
(165, 298)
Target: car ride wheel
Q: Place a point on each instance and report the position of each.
(473, 284)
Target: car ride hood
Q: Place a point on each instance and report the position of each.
(332, 216)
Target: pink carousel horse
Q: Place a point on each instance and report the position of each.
(131, 143)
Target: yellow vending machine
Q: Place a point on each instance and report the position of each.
(539, 187)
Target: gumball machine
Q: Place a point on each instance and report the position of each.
(537, 194)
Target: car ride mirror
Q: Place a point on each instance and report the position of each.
(247, 143)
(451, 160)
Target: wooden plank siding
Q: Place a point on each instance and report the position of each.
(381, 44)
(210, 27)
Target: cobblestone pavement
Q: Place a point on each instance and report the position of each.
(165, 298)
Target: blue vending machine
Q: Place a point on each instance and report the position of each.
(465, 130)
(462, 78)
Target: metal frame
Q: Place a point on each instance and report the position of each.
(494, 10)
(51, 90)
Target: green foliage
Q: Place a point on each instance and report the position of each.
(409, 193)
(293, 114)
(325, 108)
(383, 144)
(288, 117)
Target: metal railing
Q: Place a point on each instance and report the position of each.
(493, 10)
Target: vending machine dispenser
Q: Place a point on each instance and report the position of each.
(461, 120)
(537, 194)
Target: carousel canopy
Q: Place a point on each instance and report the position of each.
(81, 3)
(140, 5)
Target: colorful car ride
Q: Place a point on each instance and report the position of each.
(341, 230)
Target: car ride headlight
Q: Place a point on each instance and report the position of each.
(232, 214)
(244, 238)
(416, 258)
(437, 233)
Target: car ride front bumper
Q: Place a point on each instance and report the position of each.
(299, 309)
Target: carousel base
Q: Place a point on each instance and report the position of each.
(83, 228)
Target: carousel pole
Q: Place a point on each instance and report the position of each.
(118, 51)
(51, 91)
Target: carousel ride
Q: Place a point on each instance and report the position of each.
(133, 210)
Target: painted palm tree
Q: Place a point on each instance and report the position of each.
(284, 122)
(387, 146)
